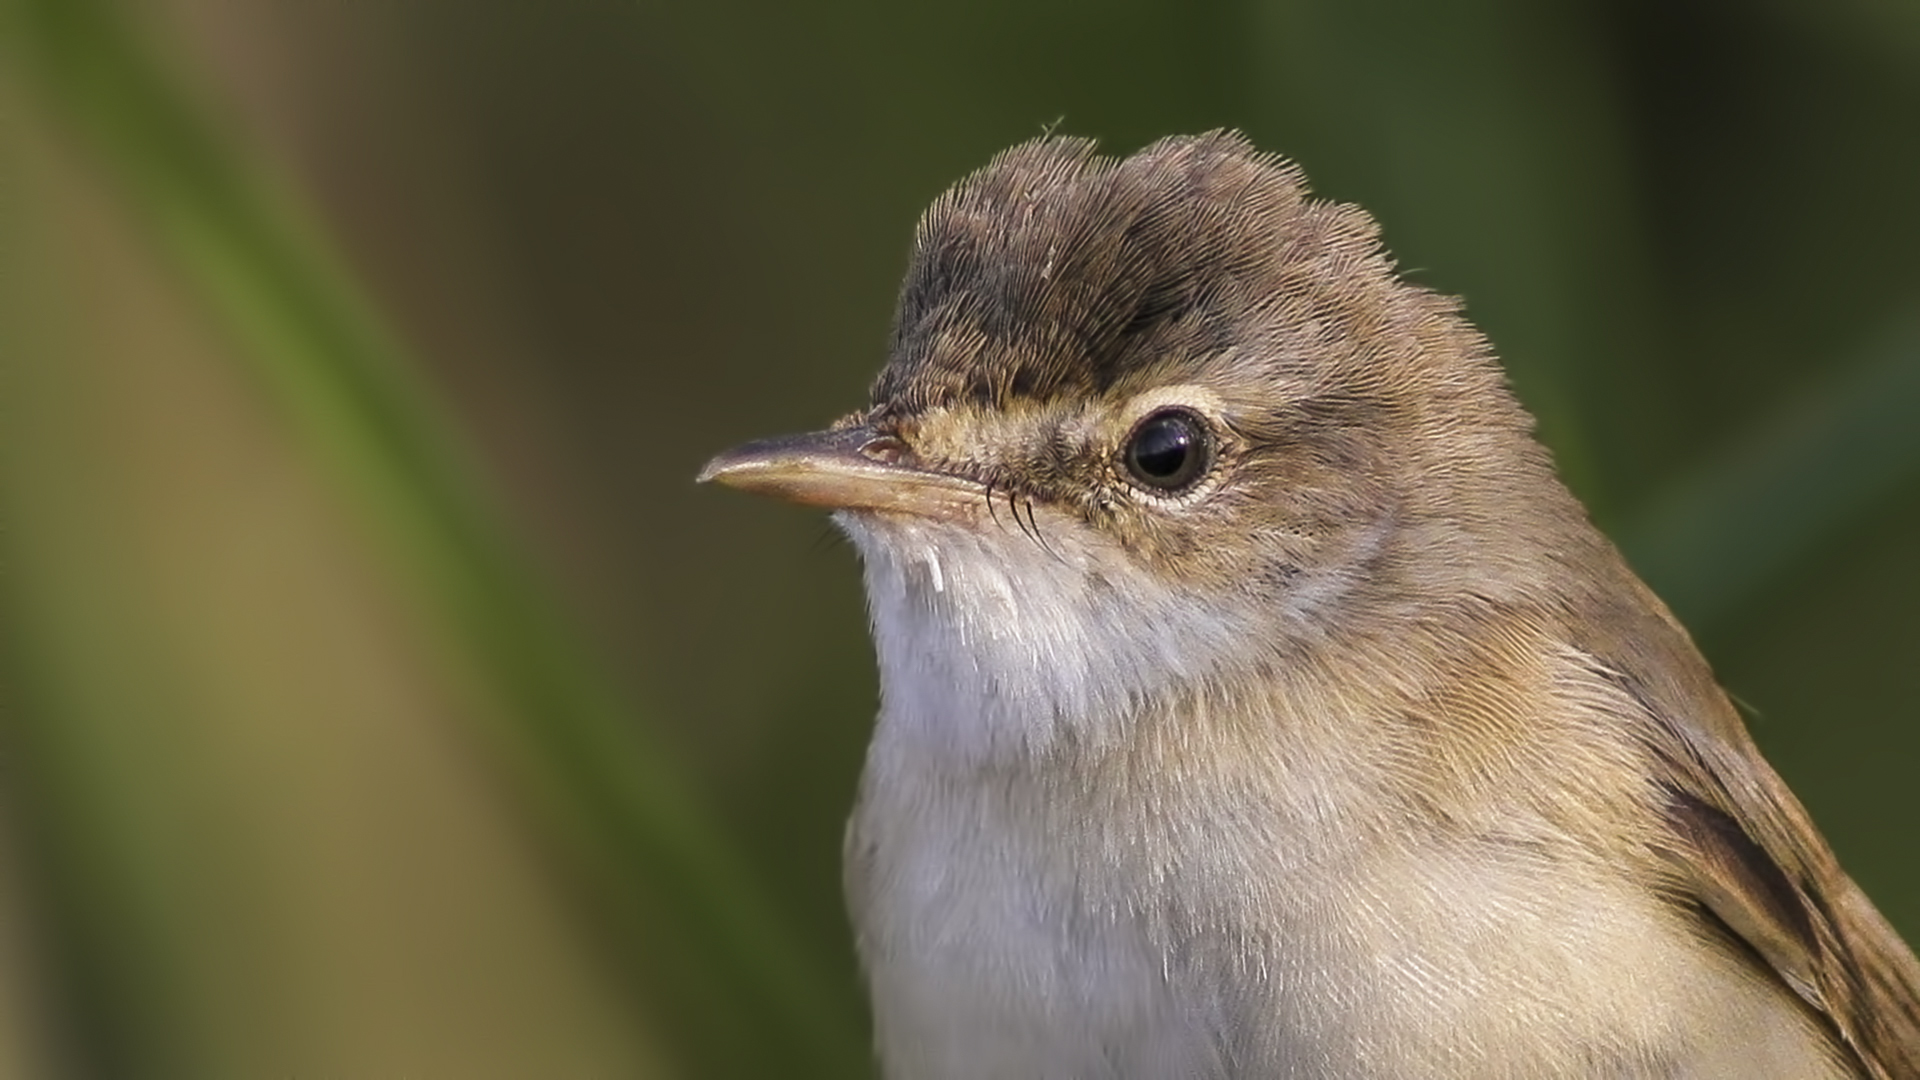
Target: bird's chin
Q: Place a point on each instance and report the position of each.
(950, 564)
(993, 641)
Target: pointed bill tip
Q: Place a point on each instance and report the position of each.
(849, 469)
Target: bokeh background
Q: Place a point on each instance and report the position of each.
(379, 696)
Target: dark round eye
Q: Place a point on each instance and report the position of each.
(1168, 450)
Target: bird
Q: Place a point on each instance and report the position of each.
(1256, 701)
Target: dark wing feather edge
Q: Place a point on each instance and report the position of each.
(1745, 850)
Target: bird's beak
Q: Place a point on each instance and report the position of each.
(853, 468)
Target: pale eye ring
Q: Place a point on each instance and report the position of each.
(1169, 451)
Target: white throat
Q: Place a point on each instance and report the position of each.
(990, 644)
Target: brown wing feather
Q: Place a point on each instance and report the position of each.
(1745, 850)
(1807, 920)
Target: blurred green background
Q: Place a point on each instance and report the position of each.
(379, 697)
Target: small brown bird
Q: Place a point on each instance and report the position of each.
(1255, 702)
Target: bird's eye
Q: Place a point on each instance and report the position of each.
(1168, 451)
